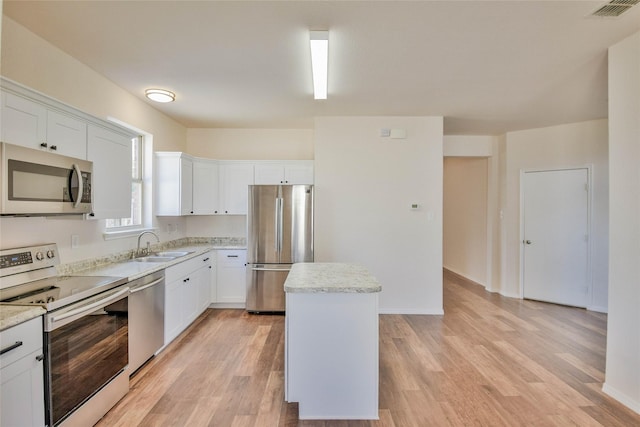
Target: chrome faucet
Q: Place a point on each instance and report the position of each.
(148, 250)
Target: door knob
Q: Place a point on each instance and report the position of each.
(528, 242)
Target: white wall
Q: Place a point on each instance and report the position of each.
(35, 63)
(570, 145)
(622, 379)
(251, 144)
(465, 217)
(365, 185)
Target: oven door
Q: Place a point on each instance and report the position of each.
(37, 182)
(86, 346)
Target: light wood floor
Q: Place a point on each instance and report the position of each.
(490, 361)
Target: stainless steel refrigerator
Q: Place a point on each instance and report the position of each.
(279, 233)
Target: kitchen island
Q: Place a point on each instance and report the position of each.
(331, 341)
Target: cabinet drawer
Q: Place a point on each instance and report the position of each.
(187, 267)
(232, 258)
(28, 333)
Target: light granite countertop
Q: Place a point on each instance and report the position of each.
(122, 264)
(12, 315)
(322, 277)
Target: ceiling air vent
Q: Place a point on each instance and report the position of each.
(615, 8)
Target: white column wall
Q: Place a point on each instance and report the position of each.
(365, 185)
(622, 379)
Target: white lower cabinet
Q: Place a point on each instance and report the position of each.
(186, 294)
(231, 278)
(21, 375)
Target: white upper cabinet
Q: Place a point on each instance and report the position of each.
(205, 186)
(110, 153)
(66, 135)
(174, 184)
(33, 125)
(235, 178)
(289, 172)
(24, 122)
(185, 185)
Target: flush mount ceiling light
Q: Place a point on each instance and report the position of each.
(160, 95)
(319, 41)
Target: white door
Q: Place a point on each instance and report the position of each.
(555, 241)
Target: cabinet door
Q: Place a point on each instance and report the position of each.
(231, 276)
(173, 310)
(203, 280)
(66, 135)
(174, 184)
(205, 187)
(268, 174)
(234, 182)
(186, 187)
(22, 392)
(190, 302)
(110, 153)
(24, 122)
(298, 174)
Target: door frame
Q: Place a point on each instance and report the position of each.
(589, 168)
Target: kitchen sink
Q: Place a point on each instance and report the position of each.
(174, 254)
(155, 258)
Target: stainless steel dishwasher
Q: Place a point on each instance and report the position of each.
(146, 319)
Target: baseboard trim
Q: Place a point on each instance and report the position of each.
(627, 401)
(236, 305)
(598, 309)
(430, 312)
(473, 282)
(462, 277)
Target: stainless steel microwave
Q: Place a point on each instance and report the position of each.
(39, 183)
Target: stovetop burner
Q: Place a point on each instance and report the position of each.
(21, 266)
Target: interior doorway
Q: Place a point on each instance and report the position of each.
(555, 236)
(465, 201)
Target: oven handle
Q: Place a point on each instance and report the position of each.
(142, 288)
(90, 307)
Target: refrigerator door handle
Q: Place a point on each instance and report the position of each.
(270, 269)
(281, 227)
(277, 226)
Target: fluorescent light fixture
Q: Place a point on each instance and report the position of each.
(160, 95)
(319, 41)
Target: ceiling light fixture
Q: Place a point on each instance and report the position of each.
(319, 41)
(160, 95)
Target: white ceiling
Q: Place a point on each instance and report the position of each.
(487, 66)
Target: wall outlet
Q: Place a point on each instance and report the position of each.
(75, 241)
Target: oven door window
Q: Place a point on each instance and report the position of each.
(84, 355)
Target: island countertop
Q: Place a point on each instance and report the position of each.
(329, 277)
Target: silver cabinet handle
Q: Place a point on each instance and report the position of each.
(11, 347)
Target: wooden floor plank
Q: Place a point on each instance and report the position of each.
(489, 361)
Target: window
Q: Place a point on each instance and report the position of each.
(137, 189)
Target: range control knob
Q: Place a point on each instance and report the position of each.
(50, 254)
(39, 256)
